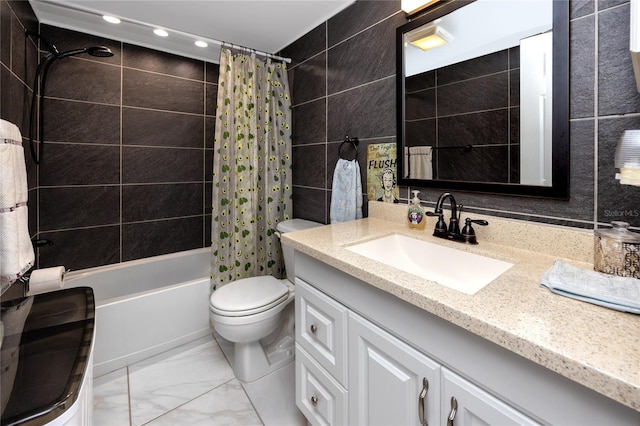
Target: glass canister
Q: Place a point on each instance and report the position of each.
(617, 251)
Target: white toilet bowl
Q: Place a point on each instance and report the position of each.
(253, 309)
(256, 314)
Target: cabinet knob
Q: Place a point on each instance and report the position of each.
(314, 400)
(454, 410)
(313, 328)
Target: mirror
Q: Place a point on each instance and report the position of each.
(487, 108)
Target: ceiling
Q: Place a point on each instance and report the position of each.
(264, 25)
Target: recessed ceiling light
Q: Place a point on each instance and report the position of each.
(160, 32)
(201, 43)
(111, 19)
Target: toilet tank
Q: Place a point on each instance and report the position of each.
(291, 226)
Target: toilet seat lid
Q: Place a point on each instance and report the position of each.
(249, 296)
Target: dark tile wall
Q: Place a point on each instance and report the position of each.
(443, 113)
(343, 82)
(128, 140)
(126, 169)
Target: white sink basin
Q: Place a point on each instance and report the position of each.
(456, 269)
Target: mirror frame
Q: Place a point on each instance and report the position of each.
(560, 114)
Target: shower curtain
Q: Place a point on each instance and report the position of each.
(251, 169)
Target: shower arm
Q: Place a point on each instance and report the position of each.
(38, 93)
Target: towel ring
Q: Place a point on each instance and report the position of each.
(349, 141)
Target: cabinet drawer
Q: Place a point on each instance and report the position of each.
(320, 398)
(321, 329)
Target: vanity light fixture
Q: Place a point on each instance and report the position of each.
(627, 158)
(429, 37)
(201, 43)
(160, 32)
(111, 19)
(414, 6)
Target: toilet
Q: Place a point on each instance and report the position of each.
(256, 314)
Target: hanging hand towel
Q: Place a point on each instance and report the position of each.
(16, 251)
(420, 162)
(346, 194)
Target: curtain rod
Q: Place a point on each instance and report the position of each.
(220, 43)
(250, 50)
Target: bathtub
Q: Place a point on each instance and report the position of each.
(147, 306)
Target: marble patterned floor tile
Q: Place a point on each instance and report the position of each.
(166, 381)
(111, 399)
(225, 405)
(276, 408)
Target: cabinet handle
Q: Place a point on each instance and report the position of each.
(454, 410)
(423, 394)
(314, 400)
(313, 329)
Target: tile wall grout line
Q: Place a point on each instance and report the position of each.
(596, 126)
(121, 242)
(327, 208)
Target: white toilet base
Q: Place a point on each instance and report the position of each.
(254, 360)
(251, 362)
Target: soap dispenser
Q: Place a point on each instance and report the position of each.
(415, 213)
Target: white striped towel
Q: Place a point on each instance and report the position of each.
(16, 251)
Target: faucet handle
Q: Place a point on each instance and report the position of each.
(468, 233)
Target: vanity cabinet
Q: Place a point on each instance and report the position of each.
(350, 371)
(364, 356)
(390, 383)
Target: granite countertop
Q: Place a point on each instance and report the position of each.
(594, 346)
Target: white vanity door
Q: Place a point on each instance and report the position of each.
(474, 406)
(387, 379)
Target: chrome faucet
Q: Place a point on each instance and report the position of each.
(452, 232)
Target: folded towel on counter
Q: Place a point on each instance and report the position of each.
(346, 193)
(619, 293)
(16, 250)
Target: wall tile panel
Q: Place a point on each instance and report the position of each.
(582, 67)
(348, 68)
(81, 248)
(162, 92)
(367, 111)
(146, 59)
(617, 92)
(359, 16)
(161, 128)
(145, 239)
(75, 78)
(74, 164)
(161, 201)
(308, 80)
(303, 174)
(74, 207)
(309, 122)
(70, 121)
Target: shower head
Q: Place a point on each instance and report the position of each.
(98, 51)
